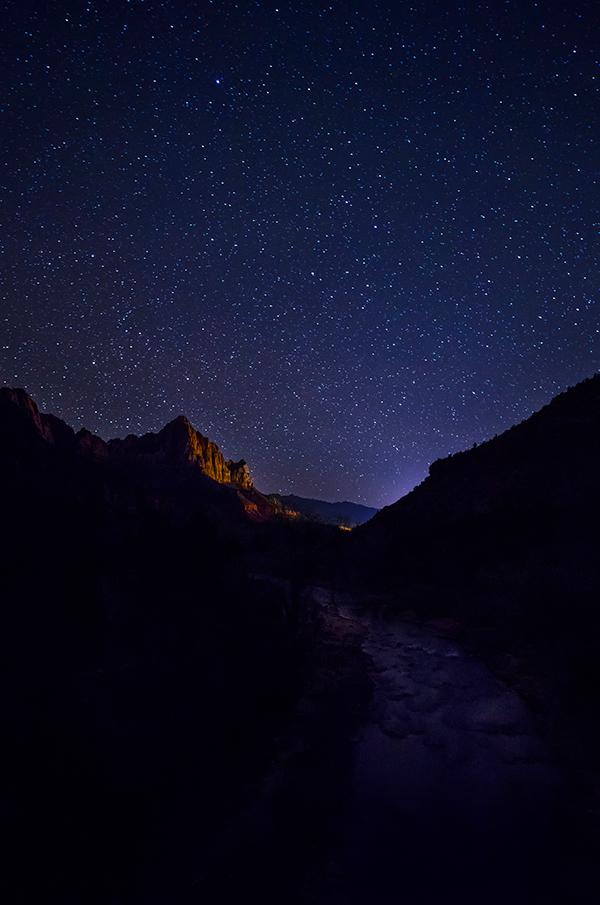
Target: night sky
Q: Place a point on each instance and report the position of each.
(345, 239)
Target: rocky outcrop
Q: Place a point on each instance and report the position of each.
(179, 445)
(176, 447)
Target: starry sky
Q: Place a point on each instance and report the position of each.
(345, 239)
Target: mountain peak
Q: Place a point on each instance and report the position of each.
(178, 422)
(177, 445)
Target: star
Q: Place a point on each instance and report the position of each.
(368, 253)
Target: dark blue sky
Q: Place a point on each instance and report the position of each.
(344, 239)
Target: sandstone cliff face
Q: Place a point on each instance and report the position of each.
(177, 446)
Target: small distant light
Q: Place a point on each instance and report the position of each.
(217, 81)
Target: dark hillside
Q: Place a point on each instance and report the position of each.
(505, 536)
(146, 671)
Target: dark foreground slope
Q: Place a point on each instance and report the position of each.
(505, 537)
(146, 671)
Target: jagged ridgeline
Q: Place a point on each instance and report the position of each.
(176, 453)
(177, 445)
(180, 444)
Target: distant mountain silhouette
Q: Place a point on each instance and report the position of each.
(342, 513)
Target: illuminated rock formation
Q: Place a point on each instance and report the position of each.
(179, 445)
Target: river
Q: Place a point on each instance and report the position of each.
(453, 796)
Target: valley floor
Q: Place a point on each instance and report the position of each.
(453, 795)
(410, 774)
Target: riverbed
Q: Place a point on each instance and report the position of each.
(453, 796)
